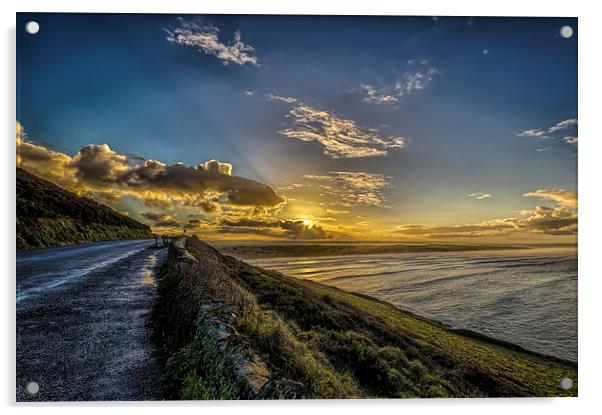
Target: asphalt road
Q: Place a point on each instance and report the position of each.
(83, 315)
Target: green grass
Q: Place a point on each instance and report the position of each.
(341, 345)
(199, 370)
(48, 215)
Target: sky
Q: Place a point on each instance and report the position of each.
(308, 127)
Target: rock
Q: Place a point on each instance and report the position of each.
(282, 389)
(254, 374)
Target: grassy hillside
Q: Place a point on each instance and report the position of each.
(321, 342)
(49, 215)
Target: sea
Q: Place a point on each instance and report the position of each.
(527, 297)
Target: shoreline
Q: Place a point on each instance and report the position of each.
(252, 252)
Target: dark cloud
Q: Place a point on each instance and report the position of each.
(98, 167)
(155, 216)
(552, 221)
(208, 205)
(294, 228)
(196, 180)
(167, 224)
(298, 229)
(98, 164)
(161, 220)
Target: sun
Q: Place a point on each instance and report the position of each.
(308, 222)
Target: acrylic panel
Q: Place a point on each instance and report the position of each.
(224, 207)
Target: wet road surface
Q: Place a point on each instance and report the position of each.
(83, 322)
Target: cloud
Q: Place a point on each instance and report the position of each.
(52, 165)
(551, 220)
(205, 37)
(563, 197)
(412, 82)
(545, 133)
(207, 204)
(409, 83)
(161, 220)
(533, 133)
(288, 100)
(354, 188)
(99, 165)
(374, 96)
(563, 125)
(560, 219)
(570, 140)
(479, 229)
(215, 166)
(298, 229)
(294, 228)
(98, 168)
(341, 138)
(480, 195)
(155, 216)
(337, 212)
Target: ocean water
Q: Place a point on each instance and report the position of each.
(526, 297)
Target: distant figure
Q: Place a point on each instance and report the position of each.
(165, 240)
(156, 240)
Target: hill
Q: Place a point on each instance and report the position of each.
(49, 215)
(229, 330)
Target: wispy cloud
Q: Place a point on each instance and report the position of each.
(381, 96)
(288, 100)
(341, 138)
(571, 139)
(205, 37)
(353, 188)
(547, 132)
(480, 195)
(410, 82)
(563, 125)
(533, 133)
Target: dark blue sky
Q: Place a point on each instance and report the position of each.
(116, 79)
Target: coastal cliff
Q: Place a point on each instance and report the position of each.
(229, 330)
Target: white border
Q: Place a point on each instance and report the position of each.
(590, 70)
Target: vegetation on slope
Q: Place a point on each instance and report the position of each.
(49, 215)
(337, 344)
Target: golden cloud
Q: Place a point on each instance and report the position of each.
(97, 169)
(292, 228)
(353, 188)
(341, 138)
(561, 219)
